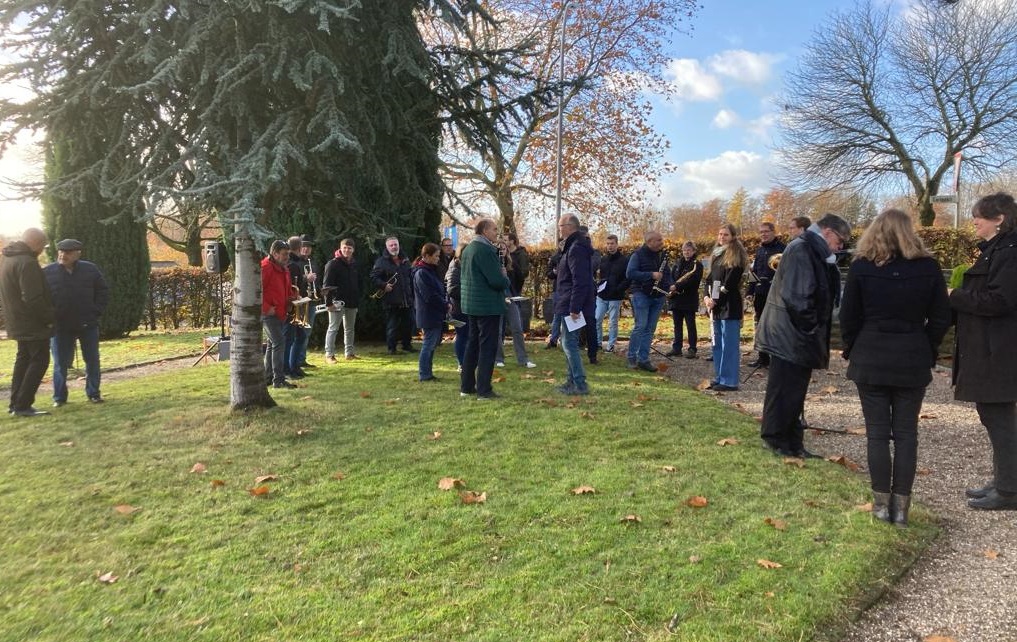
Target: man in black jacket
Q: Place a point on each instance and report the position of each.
(761, 276)
(795, 329)
(341, 288)
(28, 317)
(80, 295)
(391, 275)
(612, 286)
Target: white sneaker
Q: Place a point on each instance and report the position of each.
(499, 364)
(530, 364)
(459, 368)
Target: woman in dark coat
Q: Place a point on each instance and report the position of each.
(893, 316)
(683, 299)
(724, 302)
(431, 306)
(985, 357)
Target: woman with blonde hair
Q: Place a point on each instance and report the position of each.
(893, 316)
(723, 300)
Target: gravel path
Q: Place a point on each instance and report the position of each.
(963, 588)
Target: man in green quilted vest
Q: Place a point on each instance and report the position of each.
(483, 286)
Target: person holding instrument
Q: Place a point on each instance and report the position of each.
(341, 288)
(723, 301)
(683, 299)
(650, 283)
(276, 294)
(760, 277)
(394, 286)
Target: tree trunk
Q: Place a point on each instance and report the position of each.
(247, 371)
(926, 215)
(506, 209)
(192, 245)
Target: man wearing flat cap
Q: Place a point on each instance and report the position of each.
(80, 295)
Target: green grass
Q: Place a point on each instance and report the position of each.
(383, 554)
(140, 347)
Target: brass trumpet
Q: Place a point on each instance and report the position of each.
(774, 261)
(312, 286)
(381, 291)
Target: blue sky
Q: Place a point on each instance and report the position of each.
(726, 73)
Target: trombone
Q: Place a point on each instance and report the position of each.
(301, 312)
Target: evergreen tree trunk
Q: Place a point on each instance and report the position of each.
(248, 388)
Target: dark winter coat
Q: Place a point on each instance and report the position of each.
(387, 266)
(985, 356)
(429, 301)
(574, 285)
(453, 286)
(24, 294)
(642, 264)
(686, 295)
(612, 269)
(520, 269)
(724, 285)
(761, 271)
(342, 282)
(795, 324)
(483, 286)
(79, 296)
(893, 318)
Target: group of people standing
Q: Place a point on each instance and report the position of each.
(50, 310)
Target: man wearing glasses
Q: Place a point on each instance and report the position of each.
(448, 252)
(794, 329)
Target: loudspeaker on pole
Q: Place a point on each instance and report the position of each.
(217, 259)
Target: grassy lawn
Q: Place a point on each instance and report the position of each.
(355, 540)
(140, 347)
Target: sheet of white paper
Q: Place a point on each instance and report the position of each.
(574, 324)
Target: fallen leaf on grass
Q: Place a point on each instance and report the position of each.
(107, 578)
(391, 402)
(631, 519)
(126, 509)
(435, 435)
(500, 379)
(844, 461)
(448, 483)
(769, 564)
(769, 594)
(259, 491)
(864, 508)
(473, 497)
(991, 554)
(527, 376)
(67, 444)
(695, 559)
(635, 404)
(339, 475)
(548, 401)
(794, 461)
(661, 367)
(304, 432)
(698, 501)
(218, 483)
(583, 490)
(642, 397)
(585, 414)
(926, 416)
(306, 398)
(266, 478)
(547, 373)
(669, 469)
(728, 441)
(365, 394)
(703, 385)
(551, 380)
(198, 468)
(779, 524)
(856, 430)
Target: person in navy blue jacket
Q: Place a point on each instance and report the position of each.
(430, 304)
(80, 295)
(574, 297)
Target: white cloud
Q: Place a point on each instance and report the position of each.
(725, 118)
(690, 81)
(717, 177)
(743, 66)
(759, 128)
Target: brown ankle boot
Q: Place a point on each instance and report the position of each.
(899, 507)
(881, 506)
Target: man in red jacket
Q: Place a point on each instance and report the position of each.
(276, 293)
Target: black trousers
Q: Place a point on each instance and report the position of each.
(688, 318)
(398, 327)
(999, 421)
(29, 367)
(891, 414)
(758, 303)
(478, 360)
(786, 386)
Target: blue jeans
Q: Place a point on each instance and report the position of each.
(613, 310)
(726, 348)
(573, 357)
(61, 345)
(462, 336)
(300, 356)
(646, 310)
(275, 352)
(293, 336)
(478, 362)
(432, 336)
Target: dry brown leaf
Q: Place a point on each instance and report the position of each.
(265, 478)
(198, 468)
(631, 519)
(661, 367)
(339, 475)
(642, 397)
(435, 435)
(585, 414)
(572, 403)
(547, 373)
(306, 398)
(548, 401)
(635, 404)
(669, 469)
(500, 379)
(844, 461)
(926, 416)
(448, 483)
(126, 509)
(864, 508)
(703, 385)
(856, 430)
(769, 594)
(938, 638)
(550, 380)
(473, 497)
(695, 559)
(794, 461)
(218, 483)
(67, 444)
(779, 524)
(304, 432)
(829, 390)
(391, 402)
(728, 441)
(923, 471)
(811, 503)
(991, 554)
(636, 383)
(365, 394)
(697, 501)
(527, 376)
(107, 578)
(259, 491)
(769, 564)
(583, 490)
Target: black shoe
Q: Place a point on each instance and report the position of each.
(488, 396)
(409, 349)
(297, 374)
(804, 454)
(29, 412)
(995, 500)
(722, 388)
(307, 365)
(429, 379)
(690, 353)
(780, 452)
(95, 400)
(550, 345)
(978, 493)
(284, 384)
(593, 361)
(754, 364)
(391, 350)
(674, 353)
(646, 365)
(631, 365)
(56, 404)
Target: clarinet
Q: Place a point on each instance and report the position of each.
(663, 266)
